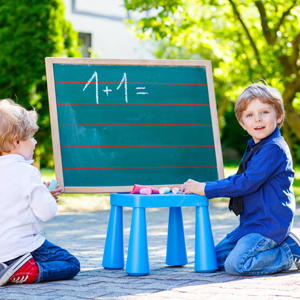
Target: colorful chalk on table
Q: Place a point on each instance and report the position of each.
(145, 191)
(164, 190)
(53, 184)
(176, 190)
(137, 188)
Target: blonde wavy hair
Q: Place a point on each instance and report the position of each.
(15, 122)
(265, 94)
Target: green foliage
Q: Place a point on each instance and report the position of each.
(31, 30)
(233, 135)
(245, 40)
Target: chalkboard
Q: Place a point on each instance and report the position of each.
(116, 123)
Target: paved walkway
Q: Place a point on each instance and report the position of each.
(83, 234)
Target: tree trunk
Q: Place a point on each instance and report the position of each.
(287, 137)
(292, 117)
(221, 107)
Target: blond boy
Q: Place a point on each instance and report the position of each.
(25, 255)
(261, 191)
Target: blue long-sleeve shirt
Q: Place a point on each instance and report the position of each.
(266, 186)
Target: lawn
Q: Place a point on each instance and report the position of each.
(78, 202)
(91, 202)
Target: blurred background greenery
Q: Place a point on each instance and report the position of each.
(31, 30)
(245, 40)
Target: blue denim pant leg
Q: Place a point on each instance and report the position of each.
(223, 249)
(255, 254)
(55, 263)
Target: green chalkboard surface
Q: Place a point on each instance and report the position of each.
(116, 123)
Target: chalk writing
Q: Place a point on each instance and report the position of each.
(108, 90)
(141, 88)
(124, 79)
(90, 80)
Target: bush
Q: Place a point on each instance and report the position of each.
(31, 30)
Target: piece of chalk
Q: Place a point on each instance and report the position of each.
(145, 191)
(53, 184)
(164, 190)
(175, 190)
(136, 189)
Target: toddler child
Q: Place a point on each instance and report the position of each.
(25, 255)
(261, 191)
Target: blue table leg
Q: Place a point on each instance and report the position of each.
(113, 257)
(137, 258)
(205, 253)
(176, 249)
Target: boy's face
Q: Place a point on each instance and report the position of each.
(259, 119)
(25, 148)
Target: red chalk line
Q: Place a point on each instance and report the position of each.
(131, 104)
(135, 125)
(129, 146)
(199, 84)
(115, 168)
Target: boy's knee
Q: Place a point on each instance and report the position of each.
(77, 263)
(231, 266)
(75, 266)
(240, 265)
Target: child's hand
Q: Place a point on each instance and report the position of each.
(56, 192)
(192, 186)
(47, 184)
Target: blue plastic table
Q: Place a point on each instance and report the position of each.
(137, 257)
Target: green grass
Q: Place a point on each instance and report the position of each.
(49, 174)
(90, 202)
(296, 184)
(77, 202)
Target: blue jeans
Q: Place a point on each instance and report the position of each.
(55, 263)
(253, 254)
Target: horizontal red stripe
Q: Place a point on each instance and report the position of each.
(115, 168)
(131, 104)
(128, 146)
(168, 83)
(135, 125)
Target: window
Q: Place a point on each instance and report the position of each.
(85, 42)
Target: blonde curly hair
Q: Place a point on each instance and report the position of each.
(15, 122)
(265, 94)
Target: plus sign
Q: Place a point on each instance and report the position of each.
(106, 90)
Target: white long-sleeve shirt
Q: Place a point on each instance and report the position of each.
(24, 201)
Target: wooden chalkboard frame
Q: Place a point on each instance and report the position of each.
(51, 61)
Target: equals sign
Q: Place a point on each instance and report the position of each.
(141, 93)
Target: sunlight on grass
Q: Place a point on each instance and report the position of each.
(296, 184)
(77, 202)
(92, 202)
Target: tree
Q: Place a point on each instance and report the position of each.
(246, 41)
(31, 30)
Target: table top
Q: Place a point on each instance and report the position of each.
(157, 200)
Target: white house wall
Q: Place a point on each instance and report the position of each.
(104, 19)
